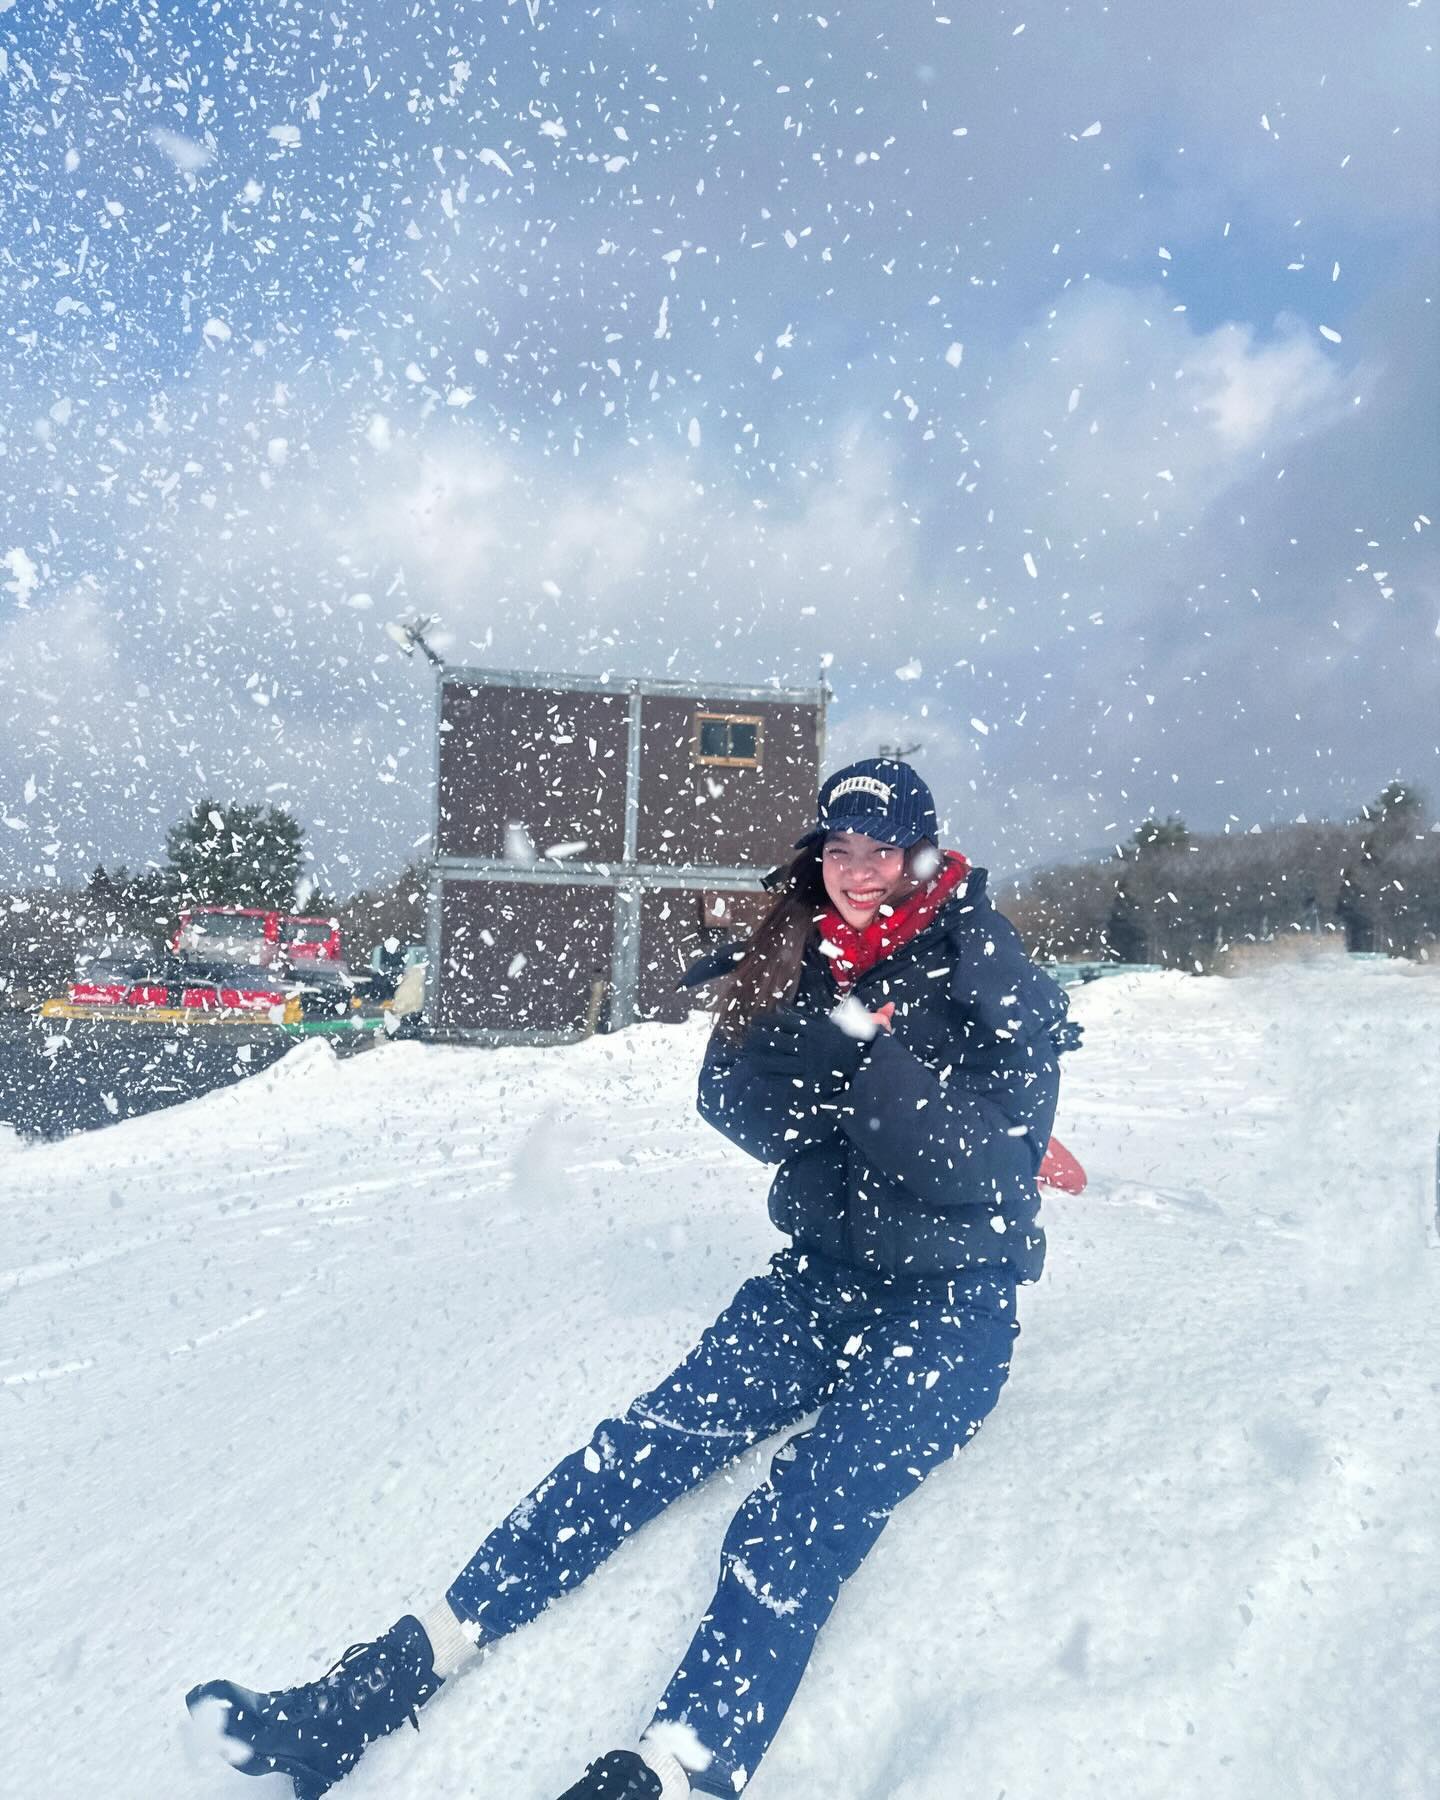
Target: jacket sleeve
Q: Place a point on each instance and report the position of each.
(780, 1091)
(1003, 998)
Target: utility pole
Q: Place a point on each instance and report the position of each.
(408, 636)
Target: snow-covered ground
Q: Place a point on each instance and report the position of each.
(271, 1363)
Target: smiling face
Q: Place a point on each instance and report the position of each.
(861, 875)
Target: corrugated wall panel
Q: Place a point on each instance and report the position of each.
(518, 956)
(553, 761)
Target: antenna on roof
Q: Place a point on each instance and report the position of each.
(409, 636)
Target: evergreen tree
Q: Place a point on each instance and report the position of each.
(105, 893)
(1391, 817)
(1397, 799)
(1378, 901)
(312, 901)
(118, 903)
(1152, 835)
(1125, 938)
(233, 856)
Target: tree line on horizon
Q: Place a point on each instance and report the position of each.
(1185, 900)
(1168, 896)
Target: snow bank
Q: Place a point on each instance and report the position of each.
(272, 1361)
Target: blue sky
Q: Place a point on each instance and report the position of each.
(1062, 376)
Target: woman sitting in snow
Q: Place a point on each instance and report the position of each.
(885, 1040)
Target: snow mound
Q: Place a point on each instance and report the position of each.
(274, 1360)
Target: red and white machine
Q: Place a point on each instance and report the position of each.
(257, 935)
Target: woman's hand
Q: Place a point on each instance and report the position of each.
(816, 1051)
(857, 1021)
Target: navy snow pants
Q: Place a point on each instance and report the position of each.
(902, 1375)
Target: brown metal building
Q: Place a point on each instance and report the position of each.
(591, 834)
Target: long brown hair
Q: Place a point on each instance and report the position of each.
(769, 974)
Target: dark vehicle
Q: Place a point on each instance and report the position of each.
(323, 990)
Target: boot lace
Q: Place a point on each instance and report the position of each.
(376, 1679)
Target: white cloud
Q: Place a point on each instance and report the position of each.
(52, 658)
(1262, 395)
(1120, 416)
(640, 555)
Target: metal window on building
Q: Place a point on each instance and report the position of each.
(728, 740)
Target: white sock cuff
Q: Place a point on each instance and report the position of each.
(451, 1645)
(674, 1737)
(674, 1782)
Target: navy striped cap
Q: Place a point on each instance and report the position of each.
(879, 798)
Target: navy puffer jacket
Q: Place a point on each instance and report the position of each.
(914, 1154)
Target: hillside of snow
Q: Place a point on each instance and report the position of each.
(273, 1361)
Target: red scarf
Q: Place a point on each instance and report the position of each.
(849, 953)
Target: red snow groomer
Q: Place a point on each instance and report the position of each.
(222, 963)
(136, 984)
(254, 934)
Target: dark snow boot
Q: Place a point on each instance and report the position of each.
(317, 1732)
(619, 1776)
